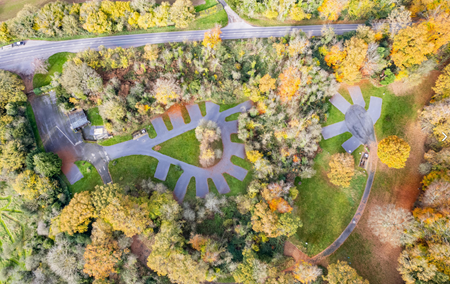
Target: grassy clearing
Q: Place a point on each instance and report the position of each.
(151, 131)
(184, 147)
(208, 4)
(91, 178)
(131, 170)
(191, 191)
(235, 139)
(326, 210)
(115, 140)
(56, 62)
(94, 116)
(32, 120)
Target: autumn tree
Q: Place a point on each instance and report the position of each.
(251, 269)
(182, 13)
(342, 169)
(80, 80)
(167, 91)
(103, 195)
(210, 249)
(331, 9)
(76, 216)
(212, 38)
(151, 52)
(49, 19)
(306, 273)
(341, 272)
(398, 19)
(273, 224)
(267, 83)
(31, 186)
(103, 254)
(349, 69)
(11, 88)
(40, 66)
(47, 164)
(5, 33)
(13, 156)
(437, 195)
(298, 14)
(393, 151)
(113, 110)
(289, 84)
(388, 223)
(435, 120)
(442, 88)
(207, 132)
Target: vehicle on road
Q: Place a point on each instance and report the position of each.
(19, 43)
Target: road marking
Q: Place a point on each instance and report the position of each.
(65, 136)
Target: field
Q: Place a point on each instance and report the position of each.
(399, 117)
(56, 62)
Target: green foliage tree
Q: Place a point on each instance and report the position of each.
(47, 164)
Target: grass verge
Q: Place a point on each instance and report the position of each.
(91, 178)
(56, 62)
(32, 120)
(94, 116)
(115, 140)
(131, 170)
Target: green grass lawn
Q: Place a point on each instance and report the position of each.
(326, 210)
(131, 170)
(167, 121)
(115, 140)
(208, 4)
(56, 62)
(94, 116)
(90, 179)
(32, 120)
(184, 147)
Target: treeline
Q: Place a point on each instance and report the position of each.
(330, 9)
(61, 19)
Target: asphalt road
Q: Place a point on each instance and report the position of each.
(18, 59)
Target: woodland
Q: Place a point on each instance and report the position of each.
(51, 233)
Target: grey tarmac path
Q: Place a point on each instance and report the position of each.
(144, 146)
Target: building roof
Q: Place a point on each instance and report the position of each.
(77, 118)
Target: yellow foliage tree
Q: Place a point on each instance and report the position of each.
(442, 88)
(31, 186)
(349, 69)
(161, 14)
(306, 273)
(76, 216)
(297, 14)
(273, 224)
(254, 156)
(266, 83)
(289, 83)
(182, 13)
(393, 151)
(341, 272)
(151, 52)
(5, 35)
(212, 38)
(342, 169)
(331, 9)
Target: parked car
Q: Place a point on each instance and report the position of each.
(19, 43)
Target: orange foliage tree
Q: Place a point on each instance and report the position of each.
(331, 9)
(289, 83)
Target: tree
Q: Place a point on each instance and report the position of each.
(207, 132)
(342, 273)
(273, 224)
(5, 33)
(167, 91)
(306, 273)
(40, 66)
(49, 19)
(32, 186)
(13, 156)
(435, 120)
(442, 88)
(289, 84)
(64, 260)
(267, 83)
(398, 19)
(113, 110)
(182, 13)
(11, 88)
(349, 69)
(393, 151)
(80, 80)
(252, 270)
(103, 195)
(127, 215)
(342, 169)
(297, 14)
(161, 14)
(151, 52)
(103, 254)
(76, 216)
(331, 9)
(389, 223)
(212, 38)
(437, 194)
(47, 164)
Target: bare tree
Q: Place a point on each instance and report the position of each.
(40, 66)
(389, 222)
(398, 19)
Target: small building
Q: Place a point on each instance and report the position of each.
(78, 120)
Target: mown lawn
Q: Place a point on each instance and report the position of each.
(184, 147)
(208, 4)
(94, 116)
(56, 62)
(91, 178)
(131, 170)
(326, 210)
